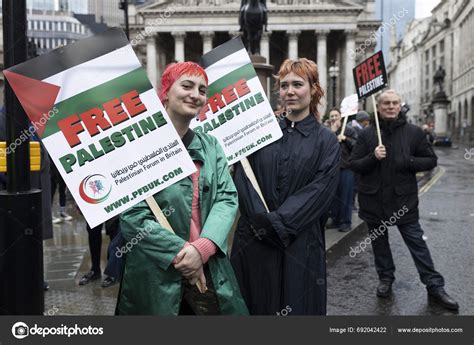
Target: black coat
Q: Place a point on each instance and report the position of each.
(347, 145)
(281, 268)
(390, 185)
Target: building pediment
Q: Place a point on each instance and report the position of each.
(275, 6)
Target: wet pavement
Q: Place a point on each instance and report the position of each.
(447, 217)
(66, 260)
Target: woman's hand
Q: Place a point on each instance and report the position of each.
(188, 261)
(199, 279)
(335, 125)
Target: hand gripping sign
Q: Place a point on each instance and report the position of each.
(370, 76)
(237, 112)
(110, 136)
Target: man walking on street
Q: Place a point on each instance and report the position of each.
(388, 193)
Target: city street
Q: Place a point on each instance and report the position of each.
(446, 215)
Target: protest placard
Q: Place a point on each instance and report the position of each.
(237, 112)
(102, 123)
(370, 76)
(349, 106)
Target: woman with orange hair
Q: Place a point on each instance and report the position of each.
(279, 256)
(162, 268)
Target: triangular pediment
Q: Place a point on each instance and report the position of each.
(156, 6)
(325, 5)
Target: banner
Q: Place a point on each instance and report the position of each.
(349, 105)
(237, 113)
(370, 76)
(102, 123)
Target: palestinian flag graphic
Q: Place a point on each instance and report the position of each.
(237, 113)
(102, 123)
(72, 79)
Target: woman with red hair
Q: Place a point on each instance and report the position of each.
(279, 256)
(162, 268)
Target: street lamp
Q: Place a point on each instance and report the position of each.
(333, 74)
(123, 5)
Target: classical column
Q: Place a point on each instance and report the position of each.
(322, 57)
(322, 36)
(350, 62)
(179, 45)
(265, 45)
(293, 43)
(151, 60)
(206, 41)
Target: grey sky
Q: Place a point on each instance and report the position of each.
(423, 7)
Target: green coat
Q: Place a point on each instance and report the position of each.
(150, 284)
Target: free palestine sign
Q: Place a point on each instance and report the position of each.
(102, 123)
(370, 76)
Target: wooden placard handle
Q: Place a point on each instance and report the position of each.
(377, 125)
(344, 124)
(159, 215)
(253, 180)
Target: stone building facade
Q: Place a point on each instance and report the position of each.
(462, 122)
(405, 73)
(321, 30)
(445, 39)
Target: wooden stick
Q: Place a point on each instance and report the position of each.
(249, 172)
(377, 120)
(156, 209)
(344, 124)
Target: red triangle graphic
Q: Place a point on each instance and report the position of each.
(36, 97)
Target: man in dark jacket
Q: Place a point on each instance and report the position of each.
(362, 120)
(388, 194)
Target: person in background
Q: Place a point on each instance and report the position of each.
(95, 247)
(58, 182)
(341, 208)
(429, 136)
(388, 191)
(362, 120)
